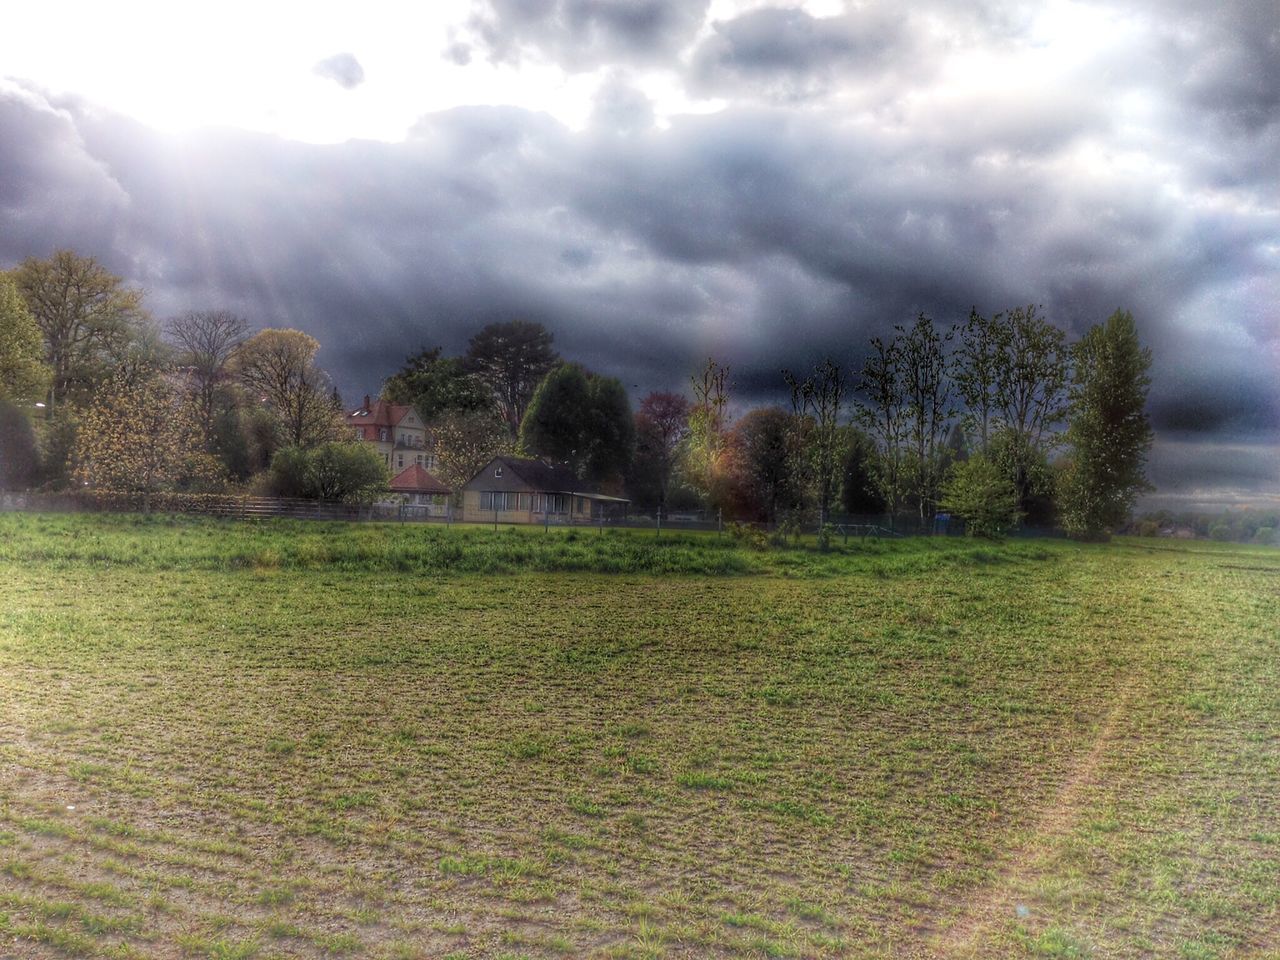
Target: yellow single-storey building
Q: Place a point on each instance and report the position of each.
(521, 490)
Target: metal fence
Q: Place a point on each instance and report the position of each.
(841, 526)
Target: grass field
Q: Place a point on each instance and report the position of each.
(306, 740)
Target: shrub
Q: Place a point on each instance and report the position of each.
(981, 495)
(1265, 535)
(825, 533)
(351, 472)
(1220, 531)
(748, 536)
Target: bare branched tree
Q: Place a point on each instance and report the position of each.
(978, 366)
(1033, 374)
(930, 412)
(883, 415)
(205, 342)
(816, 403)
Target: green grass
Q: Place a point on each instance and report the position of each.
(315, 740)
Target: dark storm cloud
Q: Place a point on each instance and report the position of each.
(343, 69)
(763, 235)
(582, 34)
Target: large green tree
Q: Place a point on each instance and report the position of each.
(87, 318)
(582, 420)
(882, 411)
(435, 385)
(662, 424)
(981, 494)
(767, 464)
(512, 358)
(24, 376)
(1109, 433)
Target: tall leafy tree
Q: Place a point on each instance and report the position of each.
(979, 360)
(512, 358)
(279, 368)
(435, 384)
(613, 432)
(662, 424)
(859, 493)
(558, 423)
(86, 317)
(582, 420)
(24, 376)
(769, 477)
(817, 401)
(1109, 434)
(1033, 376)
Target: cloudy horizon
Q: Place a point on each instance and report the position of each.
(660, 181)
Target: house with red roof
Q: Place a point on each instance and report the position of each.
(415, 487)
(396, 431)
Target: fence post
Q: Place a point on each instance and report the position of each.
(659, 531)
(720, 522)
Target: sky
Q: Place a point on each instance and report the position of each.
(658, 181)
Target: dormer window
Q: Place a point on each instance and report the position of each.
(497, 472)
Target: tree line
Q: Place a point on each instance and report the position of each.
(994, 419)
(95, 393)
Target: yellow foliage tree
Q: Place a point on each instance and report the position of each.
(142, 436)
(279, 368)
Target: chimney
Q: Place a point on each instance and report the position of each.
(366, 403)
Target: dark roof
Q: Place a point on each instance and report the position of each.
(414, 479)
(543, 476)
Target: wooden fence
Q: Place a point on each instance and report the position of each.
(217, 505)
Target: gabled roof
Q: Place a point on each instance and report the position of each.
(414, 479)
(544, 476)
(538, 475)
(379, 413)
